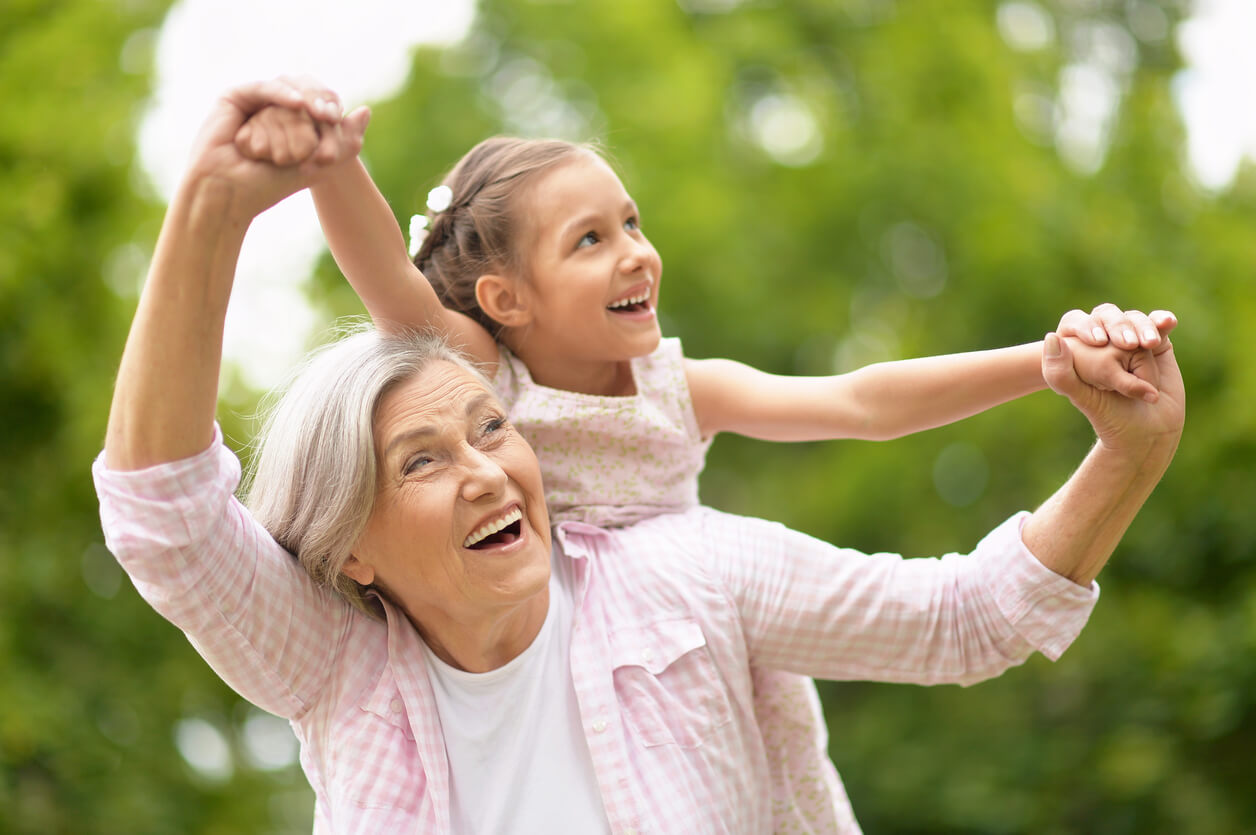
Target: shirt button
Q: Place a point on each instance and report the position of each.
(647, 656)
(630, 831)
(395, 705)
(599, 725)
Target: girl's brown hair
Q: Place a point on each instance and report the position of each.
(479, 232)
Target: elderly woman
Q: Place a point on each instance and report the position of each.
(451, 665)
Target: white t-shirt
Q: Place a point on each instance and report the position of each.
(518, 760)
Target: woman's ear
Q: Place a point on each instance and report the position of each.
(358, 571)
(504, 299)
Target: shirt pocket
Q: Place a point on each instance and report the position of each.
(667, 683)
(377, 758)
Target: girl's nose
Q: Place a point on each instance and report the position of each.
(636, 253)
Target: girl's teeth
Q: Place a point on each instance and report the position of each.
(493, 527)
(633, 300)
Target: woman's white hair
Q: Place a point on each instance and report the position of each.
(312, 482)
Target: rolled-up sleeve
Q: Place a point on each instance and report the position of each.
(836, 613)
(201, 560)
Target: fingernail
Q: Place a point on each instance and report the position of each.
(1129, 337)
(1099, 334)
(1051, 345)
(1151, 397)
(1150, 334)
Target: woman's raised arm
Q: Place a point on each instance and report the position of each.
(1075, 531)
(167, 387)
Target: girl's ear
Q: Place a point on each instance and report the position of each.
(358, 571)
(503, 299)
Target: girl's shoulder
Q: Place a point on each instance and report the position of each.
(661, 369)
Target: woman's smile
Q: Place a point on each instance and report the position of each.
(500, 532)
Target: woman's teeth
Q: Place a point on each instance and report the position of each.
(493, 527)
(638, 299)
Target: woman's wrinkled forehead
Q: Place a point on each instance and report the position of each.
(442, 393)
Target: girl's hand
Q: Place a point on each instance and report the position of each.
(1108, 324)
(260, 184)
(289, 135)
(281, 135)
(1131, 373)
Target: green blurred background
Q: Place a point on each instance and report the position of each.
(829, 183)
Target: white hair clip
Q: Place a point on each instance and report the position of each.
(418, 233)
(438, 200)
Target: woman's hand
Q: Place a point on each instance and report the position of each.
(323, 139)
(1108, 324)
(1121, 422)
(167, 384)
(1076, 530)
(1128, 371)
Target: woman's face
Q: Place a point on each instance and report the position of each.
(460, 533)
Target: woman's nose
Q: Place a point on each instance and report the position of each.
(483, 476)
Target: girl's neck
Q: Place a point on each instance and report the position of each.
(598, 377)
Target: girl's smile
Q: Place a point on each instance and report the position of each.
(635, 303)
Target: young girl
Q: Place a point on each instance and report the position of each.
(534, 263)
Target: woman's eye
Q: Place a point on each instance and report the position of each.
(493, 425)
(589, 239)
(417, 463)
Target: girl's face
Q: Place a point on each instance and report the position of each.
(593, 276)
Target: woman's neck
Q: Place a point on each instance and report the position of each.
(489, 642)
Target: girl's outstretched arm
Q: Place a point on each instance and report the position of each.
(366, 242)
(892, 399)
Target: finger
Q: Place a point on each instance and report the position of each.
(1117, 324)
(1164, 320)
(301, 134)
(320, 100)
(303, 138)
(1057, 367)
(355, 125)
(324, 103)
(248, 140)
(1139, 383)
(1084, 326)
(326, 108)
(250, 98)
(339, 142)
(1148, 334)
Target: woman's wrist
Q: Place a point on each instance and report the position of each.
(1151, 454)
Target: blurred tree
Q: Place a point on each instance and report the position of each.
(93, 686)
(829, 183)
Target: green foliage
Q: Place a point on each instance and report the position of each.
(930, 218)
(91, 682)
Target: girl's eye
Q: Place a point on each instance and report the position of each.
(589, 239)
(632, 224)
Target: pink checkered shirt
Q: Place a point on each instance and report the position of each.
(668, 616)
